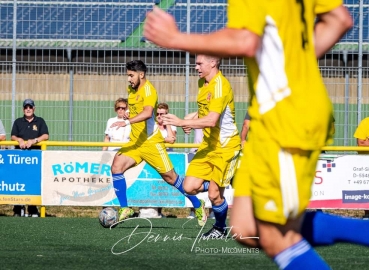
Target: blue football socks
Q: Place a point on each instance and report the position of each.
(300, 256)
(220, 214)
(319, 229)
(179, 185)
(120, 187)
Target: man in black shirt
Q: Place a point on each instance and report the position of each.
(28, 131)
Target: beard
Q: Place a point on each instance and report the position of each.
(135, 84)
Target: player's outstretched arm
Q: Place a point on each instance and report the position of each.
(142, 116)
(192, 115)
(160, 28)
(209, 120)
(331, 26)
(361, 142)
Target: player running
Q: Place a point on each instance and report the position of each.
(146, 143)
(214, 163)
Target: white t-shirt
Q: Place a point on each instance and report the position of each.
(199, 135)
(198, 138)
(117, 135)
(164, 132)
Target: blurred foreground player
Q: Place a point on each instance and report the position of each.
(291, 120)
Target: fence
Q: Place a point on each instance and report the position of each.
(69, 57)
(83, 178)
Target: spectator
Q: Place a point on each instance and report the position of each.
(245, 128)
(198, 132)
(197, 139)
(28, 131)
(362, 134)
(120, 134)
(2, 132)
(169, 134)
(362, 138)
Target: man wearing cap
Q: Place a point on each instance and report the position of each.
(28, 131)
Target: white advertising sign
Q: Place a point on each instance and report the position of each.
(83, 178)
(80, 178)
(341, 182)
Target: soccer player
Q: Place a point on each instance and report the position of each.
(214, 163)
(291, 117)
(146, 143)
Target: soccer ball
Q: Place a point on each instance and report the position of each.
(108, 216)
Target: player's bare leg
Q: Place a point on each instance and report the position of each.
(243, 223)
(173, 179)
(169, 177)
(193, 185)
(121, 163)
(275, 238)
(220, 209)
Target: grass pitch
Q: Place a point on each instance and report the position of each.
(168, 243)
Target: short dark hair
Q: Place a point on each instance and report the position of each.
(136, 65)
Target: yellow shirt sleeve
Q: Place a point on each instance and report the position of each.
(150, 96)
(220, 95)
(247, 14)
(362, 131)
(217, 104)
(322, 6)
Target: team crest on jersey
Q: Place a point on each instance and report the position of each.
(208, 97)
(34, 128)
(137, 97)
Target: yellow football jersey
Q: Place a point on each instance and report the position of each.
(217, 96)
(289, 102)
(137, 100)
(362, 131)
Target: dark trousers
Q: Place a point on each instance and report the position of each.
(32, 209)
